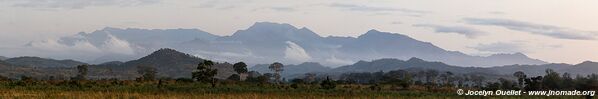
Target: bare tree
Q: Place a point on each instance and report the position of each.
(277, 68)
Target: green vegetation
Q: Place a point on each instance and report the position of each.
(428, 84)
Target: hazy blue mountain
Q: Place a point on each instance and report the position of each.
(42, 62)
(413, 63)
(375, 45)
(266, 42)
(416, 64)
(293, 70)
(127, 44)
(584, 68)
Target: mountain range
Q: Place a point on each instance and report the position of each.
(416, 64)
(266, 42)
(168, 63)
(171, 63)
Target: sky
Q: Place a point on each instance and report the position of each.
(560, 31)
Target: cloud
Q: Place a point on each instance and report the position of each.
(55, 45)
(396, 22)
(547, 30)
(468, 32)
(364, 8)
(338, 61)
(111, 45)
(502, 47)
(79, 4)
(284, 9)
(296, 53)
(115, 45)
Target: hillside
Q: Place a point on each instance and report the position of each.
(413, 63)
(42, 62)
(584, 68)
(168, 62)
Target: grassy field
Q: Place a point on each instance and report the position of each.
(233, 91)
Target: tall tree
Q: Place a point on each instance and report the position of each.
(240, 67)
(552, 80)
(520, 78)
(82, 72)
(277, 68)
(204, 72)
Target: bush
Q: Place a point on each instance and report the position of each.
(328, 84)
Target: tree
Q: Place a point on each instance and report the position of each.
(568, 82)
(520, 77)
(240, 67)
(533, 83)
(277, 68)
(147, 73)
(204, 72)
(398, 77)
(328, 84)
(552, 80)
(82, 72)
(506, 84)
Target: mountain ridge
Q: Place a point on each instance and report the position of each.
(42, 62)
(265, 42)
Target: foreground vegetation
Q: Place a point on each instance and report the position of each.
(429, 84)
(224, 90)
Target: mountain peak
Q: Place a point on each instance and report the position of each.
(373, 31)
(415, 59)
(589, 63)
(166, 51)
(517, 54)
(382, 35)
(271, 25)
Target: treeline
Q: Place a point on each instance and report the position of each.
(431, 79)
(421, 80)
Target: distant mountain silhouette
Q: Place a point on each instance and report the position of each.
(42, 62)
(266, 42)
(584, 68)
(413, 63)
(169, 63)
(127, 44)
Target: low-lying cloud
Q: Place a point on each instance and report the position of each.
(547, 30)
(501, 47)
(364, 8)
(296, 53)
(467, 31)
